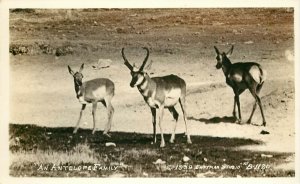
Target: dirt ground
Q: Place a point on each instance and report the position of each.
(44, 42)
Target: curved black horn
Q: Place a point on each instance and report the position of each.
(126, 61)
(145, 60)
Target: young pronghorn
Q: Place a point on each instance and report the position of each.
(159, 93)
(242, 76)
(94, 91)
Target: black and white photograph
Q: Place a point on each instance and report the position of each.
(163, 92)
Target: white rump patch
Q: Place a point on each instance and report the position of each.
(264, 75)
(255, 73)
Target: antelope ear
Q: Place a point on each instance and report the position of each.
(217, 50)
(228, 54)
(148, 67)
(81, 68)
(70, 70)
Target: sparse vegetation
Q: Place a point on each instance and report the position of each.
(134, 156)
(44, 41)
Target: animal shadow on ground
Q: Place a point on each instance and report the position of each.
(32, 137)
(224, 119)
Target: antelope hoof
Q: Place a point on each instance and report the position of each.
(154, 140)
(249, 121)
(94, 131)
(171, 141)
(162, 145)
(238, 121)
(189, 141)
(75, 131)
(264, 123)
(106, 134)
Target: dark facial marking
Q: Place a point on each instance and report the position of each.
(78, 78)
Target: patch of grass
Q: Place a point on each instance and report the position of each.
(80, 154)
(139, 153)
(32, 146)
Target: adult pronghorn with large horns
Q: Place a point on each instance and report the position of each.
(242, 76)
(94, 91)
(159, 93)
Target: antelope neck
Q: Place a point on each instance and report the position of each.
(226, 65)
(77, 90)
(144, 86)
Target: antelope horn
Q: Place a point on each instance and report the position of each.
(129, 66)
(145, 60)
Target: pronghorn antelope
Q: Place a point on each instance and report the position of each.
(242, 76)
(93, 91)
(159, 93)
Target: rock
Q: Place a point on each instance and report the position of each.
(145, 174)
(249, 42)
(159, 162)
(263, 132)
(120, 30)
(102, 63)
(110, 144)
(266, 156)
(186, 159)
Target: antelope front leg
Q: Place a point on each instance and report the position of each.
(78, 122)
(161, 114)
(153, 112)
(94, 116)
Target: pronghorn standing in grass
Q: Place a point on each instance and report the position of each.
(242, 76)
(94, 91)
(159, 93)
